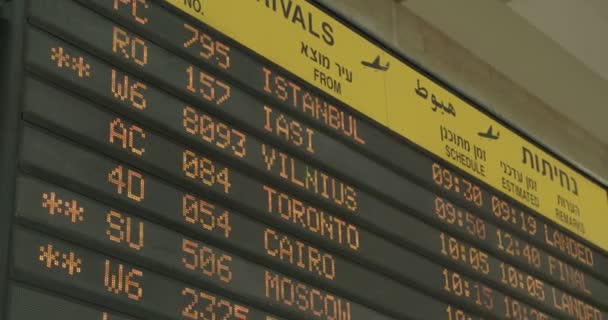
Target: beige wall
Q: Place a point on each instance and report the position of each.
(515, 102)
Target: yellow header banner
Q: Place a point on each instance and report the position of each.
(323, 51)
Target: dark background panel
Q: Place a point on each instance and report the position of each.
(99, 280)
(401, 262)
(95, 226)
(12, 23)
(26, 303)
(55, 150)
(90, 127)
(164, 249)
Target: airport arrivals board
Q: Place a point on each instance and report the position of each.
(265, 160)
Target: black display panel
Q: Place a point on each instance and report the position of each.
(29, 303)
(69, 268)
(265, 242)
(380, 292)
(169, 178)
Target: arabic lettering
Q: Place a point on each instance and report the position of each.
(435, 103)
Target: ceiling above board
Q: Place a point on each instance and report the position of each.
(580, 27)
(556, 49)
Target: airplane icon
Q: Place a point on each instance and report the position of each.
(489, 134)
(376, 64)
